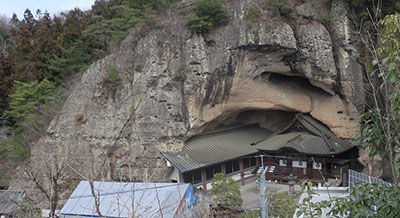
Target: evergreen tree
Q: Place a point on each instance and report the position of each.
(29, 100)
(25, 40)
(73, 60)
(75, 21)
(7, 70)
(225, 191)
(207, 14)
(45, 46)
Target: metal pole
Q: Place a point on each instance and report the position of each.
(263, 200)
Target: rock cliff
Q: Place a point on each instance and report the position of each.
(177, 84)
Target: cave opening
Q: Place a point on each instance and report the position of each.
(273, 120)
(292, 82)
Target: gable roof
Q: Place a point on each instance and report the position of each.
(227, 143)
(217, 146)
(121, 199)
(301, 142)
(314, 139)
(313, 125)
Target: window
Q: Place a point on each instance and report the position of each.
(253, 162)
(317, 166)
(299, 164)
(249, 162)
(192, 177)
(236, 165)
(232, 166)
(283, 163)
(212, 170)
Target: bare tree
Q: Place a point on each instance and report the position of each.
(95, 173)
(141, 198)
(49, 173)
(52, 167)
(47, 165)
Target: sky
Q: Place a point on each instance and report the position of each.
(8, 7)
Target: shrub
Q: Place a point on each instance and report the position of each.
(365, 200)
(113, 82)
(250, 214)
(285, 9)
(207, 14)
(139, 67)
(188, 69)
(132, 109)
(253, 13)
(282, 6)
(225, 191)
(182, 71)
(209, 40)
(324, 20)
(281, 204)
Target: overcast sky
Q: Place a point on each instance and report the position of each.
(8, 7)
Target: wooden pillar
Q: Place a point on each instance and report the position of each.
(204, 179)
(258, 162)
(310, 169)
(345, 175)
(180, 180)
(223, 168)
(325, 168)
(241, 171)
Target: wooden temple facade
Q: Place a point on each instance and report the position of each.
(305, 149)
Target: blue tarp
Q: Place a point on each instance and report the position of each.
(190, 197)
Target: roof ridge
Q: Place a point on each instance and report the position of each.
(322, 132)
(326, 132)
(276, 132)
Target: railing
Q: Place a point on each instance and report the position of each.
(356, 177)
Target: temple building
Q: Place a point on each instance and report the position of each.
(302, 149)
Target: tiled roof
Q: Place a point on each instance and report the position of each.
(313, 125)
(300, 141)
(217, 146)
(335, 144)
(232, 142)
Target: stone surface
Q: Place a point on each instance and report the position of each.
(308, 10)
(315, 48)
(177, 84)
(351, 72)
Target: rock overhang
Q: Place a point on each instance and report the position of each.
(185, 85)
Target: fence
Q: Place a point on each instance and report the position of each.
(356, 177)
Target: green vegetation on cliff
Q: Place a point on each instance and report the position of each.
(377, 9)
(380, 132)
(113, 81)
(207, 15)
(39, 52)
